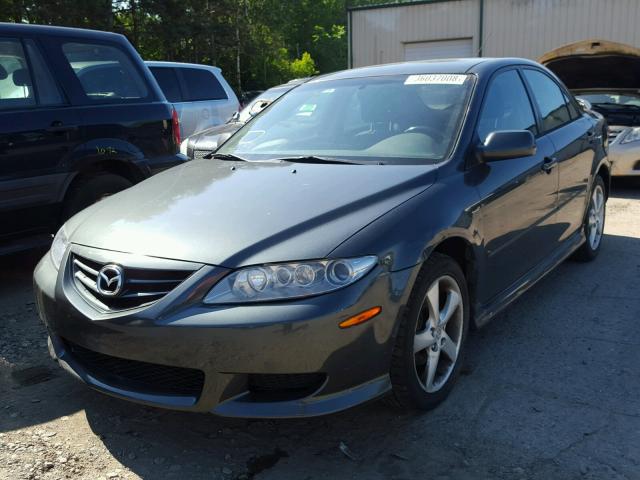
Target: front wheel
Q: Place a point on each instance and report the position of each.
(593, 223)
(430, 343)
(92, 190)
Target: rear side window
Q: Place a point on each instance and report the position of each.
(16, 88)
(573, 110)
(47, 89)
(105, 72)
(506, 106)
(168, 81)
(549, 98)
(202, 85)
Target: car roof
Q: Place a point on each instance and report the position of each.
(482, 65)
(153, 63)
(29, 29)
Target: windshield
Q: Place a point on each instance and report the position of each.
(389, 119)
(261, 102)
(612, 98)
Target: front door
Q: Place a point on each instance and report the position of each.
(37, 132)
(519, 195)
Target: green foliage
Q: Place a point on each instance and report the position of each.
(257, 43)
(303, 67)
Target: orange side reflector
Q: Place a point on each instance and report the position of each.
(361, 317)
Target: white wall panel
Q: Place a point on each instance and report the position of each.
(512, 28)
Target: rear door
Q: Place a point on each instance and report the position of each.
(572, 135)
(38, 132)
(518, 196)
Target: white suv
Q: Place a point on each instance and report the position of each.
(199, 93)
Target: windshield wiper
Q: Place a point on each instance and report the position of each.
(315, 159)
(224, 156)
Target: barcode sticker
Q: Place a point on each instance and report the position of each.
(435, 79)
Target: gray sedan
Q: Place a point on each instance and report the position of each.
(337, 248)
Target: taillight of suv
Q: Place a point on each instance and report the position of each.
(175, 126)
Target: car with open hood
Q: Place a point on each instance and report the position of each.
(607, 76)
(337, 248)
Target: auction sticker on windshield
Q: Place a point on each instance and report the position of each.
(435, 79)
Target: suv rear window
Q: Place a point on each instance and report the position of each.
(16, 89)
(202, 85)
(105, 72)
(168, 81)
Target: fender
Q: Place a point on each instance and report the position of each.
(108, 154)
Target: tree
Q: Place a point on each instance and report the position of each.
(257, 43)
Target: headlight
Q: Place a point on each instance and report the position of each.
(58, 247)
(289, 280)
(632, 135)
(184, 145)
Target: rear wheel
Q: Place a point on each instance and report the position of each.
(594, 222)
(92, 190)
(430, 343)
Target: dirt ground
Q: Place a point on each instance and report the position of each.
(551, 389)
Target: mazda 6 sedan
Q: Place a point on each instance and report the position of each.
(337, 248)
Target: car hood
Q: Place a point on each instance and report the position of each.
(210, 139)
(241, 213)
(591, 64)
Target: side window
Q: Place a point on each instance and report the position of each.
(47, 89)
(202, 85)
(168, 81)
(573, 110)
(506, 106)
(549, 98)
(105, 72)
(16, 89)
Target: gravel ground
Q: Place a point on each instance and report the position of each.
(551, 389)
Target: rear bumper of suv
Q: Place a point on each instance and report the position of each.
(158, 164)
(271, 360)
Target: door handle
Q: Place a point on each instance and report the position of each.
(59, 127)
(549, 164)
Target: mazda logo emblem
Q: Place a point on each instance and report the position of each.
(110, 280)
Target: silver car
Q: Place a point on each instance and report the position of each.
(199, 93)
(604, 76)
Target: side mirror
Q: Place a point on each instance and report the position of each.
(585, 104)
(235, 117)
(507, 144)
(258, 106)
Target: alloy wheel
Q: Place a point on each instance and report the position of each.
(596, 217)
(438, 335)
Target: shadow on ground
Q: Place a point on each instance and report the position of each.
(549, 390)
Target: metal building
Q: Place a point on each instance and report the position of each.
(490, 28)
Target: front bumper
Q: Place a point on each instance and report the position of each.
(625, 158)
(231, 345)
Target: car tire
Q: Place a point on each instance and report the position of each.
(593, 222)
(423, 370)
(91, 190)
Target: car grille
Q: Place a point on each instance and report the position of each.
(141, 287)
(137, 376)
(199, 154)
(614, 132)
